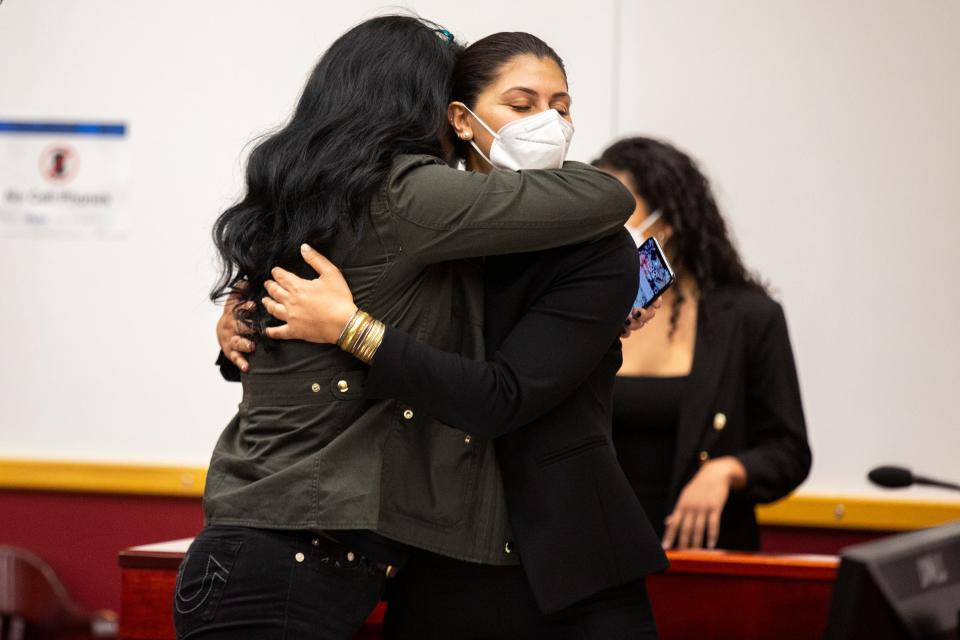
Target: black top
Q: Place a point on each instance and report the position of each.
(645, 415)
(742, 399)
(551, 323)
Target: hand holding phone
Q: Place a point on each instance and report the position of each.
(639, 318)
(656, 275)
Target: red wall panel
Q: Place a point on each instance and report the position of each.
(81, 534)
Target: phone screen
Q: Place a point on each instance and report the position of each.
(656, 276)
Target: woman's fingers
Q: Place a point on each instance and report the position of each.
(287, 280)
(644, 315)
(631, 324)
(281, 332)
(241, 344)
(686, 531)
(689, 528)
(713, 528)
(276, 291)
(670, 533)
(237, 359)
(699, 527)
(639, 317)
(316, 260)
(275, 309)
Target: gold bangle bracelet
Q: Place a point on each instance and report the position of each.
(360, 335)
(364, 346)
(346, 327)
(375, 342)
(371, 342)
(349, 329)
(348, 337)
(364, 349)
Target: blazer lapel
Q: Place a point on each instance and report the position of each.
(712, 345)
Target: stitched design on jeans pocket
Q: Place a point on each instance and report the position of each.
(200, 582)
(215, 572)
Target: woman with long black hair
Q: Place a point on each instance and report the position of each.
(552, 320)
(313, 490)
(707, 414)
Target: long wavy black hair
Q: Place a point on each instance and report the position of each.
(670, 181)
(381, 90)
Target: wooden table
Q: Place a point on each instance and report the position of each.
(711, 594)
(716, 594)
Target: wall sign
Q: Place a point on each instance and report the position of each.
(63, 179)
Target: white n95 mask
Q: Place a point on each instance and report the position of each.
(639, 232)
(540, 141)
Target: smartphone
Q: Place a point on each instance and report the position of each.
(656, 275)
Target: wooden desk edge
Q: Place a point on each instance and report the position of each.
(168, 555)
(160, 555)
(795, 566)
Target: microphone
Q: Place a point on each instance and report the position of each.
(899, 477)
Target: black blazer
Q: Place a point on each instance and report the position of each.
(743, 399)
(552, 324)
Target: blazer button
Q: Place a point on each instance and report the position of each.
(719, 422)
(343, 386)
(315, 387)
(507, 549)
(467, 440)
(408, 414)
(704, 456)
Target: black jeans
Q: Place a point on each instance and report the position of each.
(437, 598)
(240, 582)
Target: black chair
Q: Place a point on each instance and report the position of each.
(34, 604)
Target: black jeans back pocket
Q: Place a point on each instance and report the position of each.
(202, 577)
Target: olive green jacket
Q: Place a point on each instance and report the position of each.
(306, 450)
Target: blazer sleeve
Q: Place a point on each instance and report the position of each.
(446, 214)
(779, 457)
(556, 344)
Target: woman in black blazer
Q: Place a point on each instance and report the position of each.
(708, 420)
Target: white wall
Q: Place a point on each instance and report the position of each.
(830, 131)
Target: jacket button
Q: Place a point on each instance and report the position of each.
(343, 386)
(719, 422)
(467, 440)
(507, 549)
(299, 557)
(315, 387)
(704, 456)
(408, 414)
